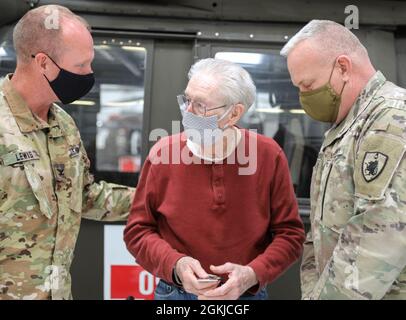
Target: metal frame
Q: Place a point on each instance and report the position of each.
(111, 38)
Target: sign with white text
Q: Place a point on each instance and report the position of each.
(123, 277)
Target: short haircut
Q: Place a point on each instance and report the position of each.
(233, 81)
(329, 37)
(32, 34)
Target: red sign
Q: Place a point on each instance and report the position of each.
(132, 281)
(128, 164)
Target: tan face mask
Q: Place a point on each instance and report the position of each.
(322, 104)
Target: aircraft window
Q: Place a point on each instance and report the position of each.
(277, 113)
(120, 72)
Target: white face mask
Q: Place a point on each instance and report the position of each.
(219, 153)
(203, 130)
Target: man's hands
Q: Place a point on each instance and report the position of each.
(189, 270)
(240, 279)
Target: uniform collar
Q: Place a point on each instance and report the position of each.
(26, 120)
(360, 105)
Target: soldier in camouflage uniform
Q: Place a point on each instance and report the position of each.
(356, 248)
(45, 184)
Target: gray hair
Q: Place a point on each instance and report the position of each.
(32, 34)
(330, 37)
(233, 81)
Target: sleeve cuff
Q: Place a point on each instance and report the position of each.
(261, 277)
(169, 272)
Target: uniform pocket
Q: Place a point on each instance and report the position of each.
(44, 197)
(328, 238)
(26, 181)
(315, 184)
(75, 176)
(325, 184)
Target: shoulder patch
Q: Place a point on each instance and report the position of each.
(373, 164)
(378, 157)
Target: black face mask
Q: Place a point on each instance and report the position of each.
(69, 86)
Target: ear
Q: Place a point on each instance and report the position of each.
(345, 65)
(42, 62)
(236, 113)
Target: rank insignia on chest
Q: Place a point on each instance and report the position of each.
(74, 150)
(373, 165)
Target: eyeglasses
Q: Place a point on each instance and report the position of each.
(197, 107)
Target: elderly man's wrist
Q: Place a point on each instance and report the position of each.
(175, 277)
(252, 278)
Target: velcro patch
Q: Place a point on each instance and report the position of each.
(13, 158)
(373, 165)
(378, 157)
(74, 150)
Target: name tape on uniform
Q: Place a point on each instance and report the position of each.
(13, 158)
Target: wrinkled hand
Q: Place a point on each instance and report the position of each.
(189, 270)
(240, 279)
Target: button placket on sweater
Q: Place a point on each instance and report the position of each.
(218, 184)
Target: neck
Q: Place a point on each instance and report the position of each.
(222, 148)
(364, 79)
(29, 87)
(356, 88)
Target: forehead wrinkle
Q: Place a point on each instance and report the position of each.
(203, 87)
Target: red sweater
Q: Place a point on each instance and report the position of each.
(215, 215)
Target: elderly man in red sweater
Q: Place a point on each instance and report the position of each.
(203, 208)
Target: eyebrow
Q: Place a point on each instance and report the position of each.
(196, 98)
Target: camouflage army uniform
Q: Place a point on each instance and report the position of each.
(357, 245)
(45, 190)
